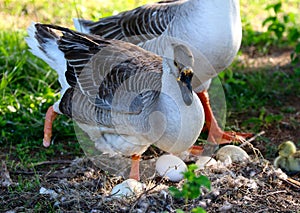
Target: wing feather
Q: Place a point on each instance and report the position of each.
(136, 26)
(106, 76)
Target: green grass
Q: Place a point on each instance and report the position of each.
(28, 86)
(268, 86)
(256, 91)
(191, 188)
(18, 15)
(252, 11)
(26, 196)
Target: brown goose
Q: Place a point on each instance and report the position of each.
(211, 27)
(124, 97)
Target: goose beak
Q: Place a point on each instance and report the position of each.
(185, 84)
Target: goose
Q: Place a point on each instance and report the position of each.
(124, 97)
(289, 158)
(211, 27)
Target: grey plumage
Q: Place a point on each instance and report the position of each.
(211, 28)
(136, 26)
(124, 97)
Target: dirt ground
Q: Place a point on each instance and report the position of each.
(288, 128)
(79, 186)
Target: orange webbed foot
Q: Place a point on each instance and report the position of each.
(216, 134)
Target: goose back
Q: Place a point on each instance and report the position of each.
(211, 28)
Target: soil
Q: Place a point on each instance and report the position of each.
(78, 185)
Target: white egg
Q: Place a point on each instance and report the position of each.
(205, 161)
(171, 167)
(127, 188)
(235, 153)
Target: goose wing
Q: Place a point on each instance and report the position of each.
(105, 76)
(136, 26)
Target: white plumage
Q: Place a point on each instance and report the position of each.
(211, 28)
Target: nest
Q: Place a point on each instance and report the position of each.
(253, 186)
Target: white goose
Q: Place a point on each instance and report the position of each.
(211, 27)
(124, 97)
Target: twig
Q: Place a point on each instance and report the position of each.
(272, 193)
(255, 150)
(59, 175)
(266, 166)
(19, 172)
(5, 177)
(144, 193)
(52, 162)
(247, 142)
(282, 176)
(293, 182)
(263, 210)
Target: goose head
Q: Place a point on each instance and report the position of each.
(288, 159)
(181, 68)
(286, 149)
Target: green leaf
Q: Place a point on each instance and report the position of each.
(3, 83)
(192, 167)
(294, 58)
(269, 19)
(205, 181)
(191, 187)
(269, 6)
(292, 17)
(297, 49)
(293, 34)
(272, 118)
(253, 120)
(286, 19)
(277, 7)
(198, 210)
(297, 72)
(175, 192)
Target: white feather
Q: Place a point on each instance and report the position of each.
(79, 27)
(212, 29)
(50, 53)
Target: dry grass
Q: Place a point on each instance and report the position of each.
(248, 187)
(17, 15)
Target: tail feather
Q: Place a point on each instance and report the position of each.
(43, 44)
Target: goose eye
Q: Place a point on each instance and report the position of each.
(175, 63)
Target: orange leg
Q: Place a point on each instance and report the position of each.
(216, 134)
(50, 116)
(135, 167)
(196, 150)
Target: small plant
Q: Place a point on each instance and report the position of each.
(275, 25)
(295, 57)
(281, 24)
(284, 23)
(263, 120)
(282, 30)
(191, 189)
